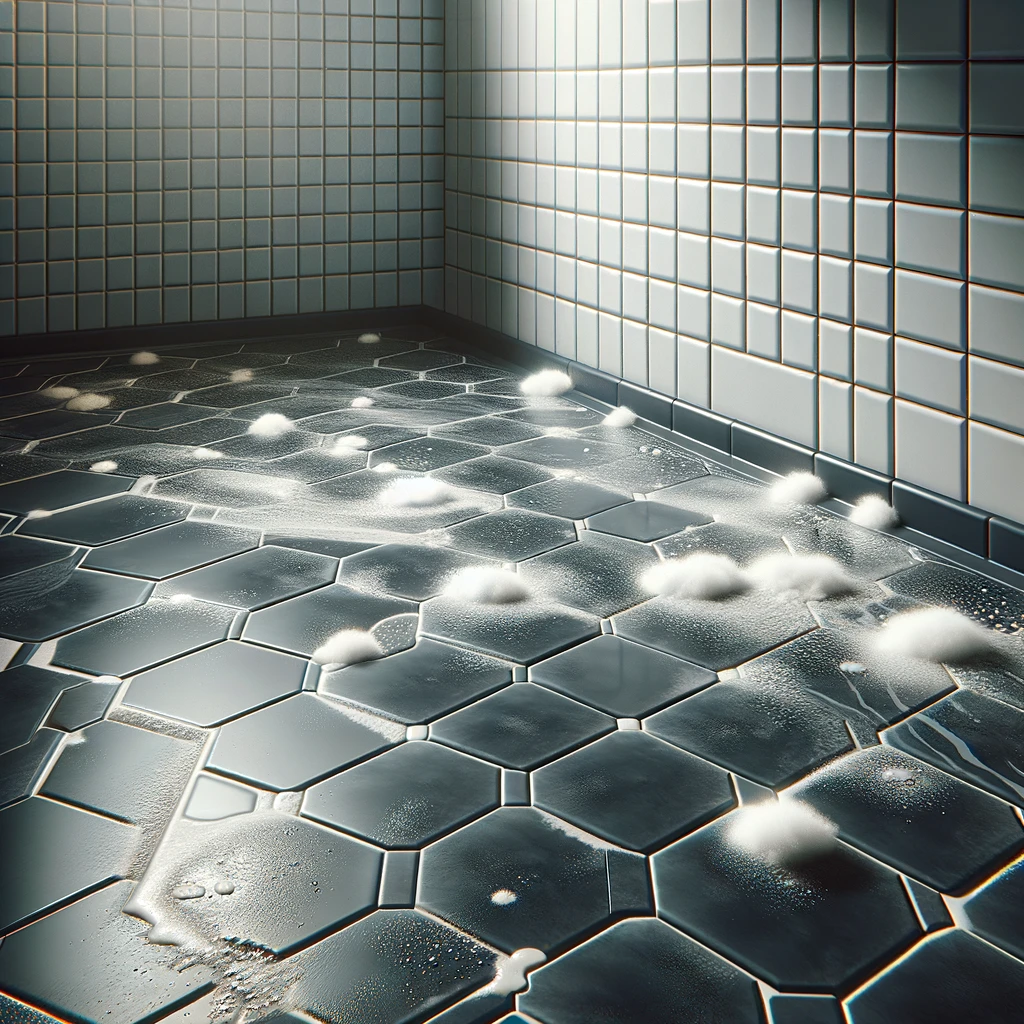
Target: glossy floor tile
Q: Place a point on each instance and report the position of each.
(527, 811)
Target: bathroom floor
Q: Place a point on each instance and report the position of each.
(519, 812)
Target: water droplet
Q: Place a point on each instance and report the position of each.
(188, 892)
(224, 888)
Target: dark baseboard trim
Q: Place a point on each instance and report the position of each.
(981, 541)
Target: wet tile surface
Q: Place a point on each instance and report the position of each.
(373, 843)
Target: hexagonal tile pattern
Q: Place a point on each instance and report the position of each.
(105, 521)
(412, 571)
(996, 911)
(407, 796)
(645, 520)
(27, 693)
(512, 534)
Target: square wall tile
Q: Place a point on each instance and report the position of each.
(996, 477)
(931, 375)
(931, 449)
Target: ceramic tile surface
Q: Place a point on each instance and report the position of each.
(526, 810)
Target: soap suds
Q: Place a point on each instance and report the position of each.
(798, 489)
(511, 973)
(620, 417)
(704, 576)
(240, 376)
(271, 424)
(144, 359)
(362, 402)
(546, 384)
(206, 454)
(104, 466)
(934, 634)
(802, 577)
(348, 647)
(383, 467)
(89, 402)
(875, 513)
(347, 443)
(369, 338)
(503, 897)
(59, 392)
(417, 491)
(484, 584)
(784, 832)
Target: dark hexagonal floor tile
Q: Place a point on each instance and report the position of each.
(254, 446)
(564, 452)
(45, 604)
(419, 684)
(818, 930)
(996, 911)
(413, 571)
(641, 969)
(217, 683)
(393, 967)
(914, 817)
(22, 767)
(52, 853)
(843, 671)
(295, 742)
(645, 520)
(136, 639)
(771, 734)
(172, 549)
(419, 360)
(14, 465)
(557, 413)
(372, 377)
(88, 962)
(407, 796)
(597, 573)
(522, 726)
(949, 978)
(465, 373)
(166, 414)
(520, 632)
(623, 679)
(56, 423)
(493, 473)
(633, 790)
(490, 430)
(83, 705)
(227, 488)
(379, 435)
(560, 882)
(984, 599)
(122, 771)
(973, 737)
(569, 498)
(423, 454)
(294, 881)
(742, 544)
(424, 390)
(59, 490)
(20, 554)
(27, 693)
(716, 634)
(866, 553)
(303, 623)
(109, 520)
(648, 471)
(512, 534)
(254, 579)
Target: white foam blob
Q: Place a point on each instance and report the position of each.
(348, 647)
(546, 384)
(417, 732)
(362, 402)
(347, 443)
(240, 376)
(782, 831)
(855, 668)
(224, 888)
(875, 513)
(89, 402)
(38, 513)
(701, 575)
(628, 724)
(417, 491)
(620, 417)
(934, 634)
(798, 489)
(144, 359)
(180, 598)
(369, 338)
(802, 577)
(104, 466)
(206, 454)
(384, 467)
(60, 392)
(485, 584)
(503, 897)
(188, 892)
(511, 973)
(271, 424)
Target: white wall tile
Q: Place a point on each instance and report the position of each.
(873, 28)
(873, 359)
(996, 244)
(799, 281)
(728, 95)
(662, 305)
(997, 29)
(693, 201)
(799, 340)
(634, 296)
(728, 32)
(931, 239)
(931, 168)
(763, 95)
(693, 254)
(800, 94)
(763, 27)
(800, 220)
(931, 449)
(931, 375)
(996, 89)
(997, 181)
(835, 154)
(728, 321)
(661, 32)
(835, 349)
(997, 471)
(777, 398)
(693, 94)
(930, 97)
(799, 30)
(693, 308)
(931, 29)
(930, 308)
(873, 430)
(996, 324)
(995, 394)
(835, 288)
(693, 40)
(634, 352)
(763, 156)
(763, 331)
(800, 158)
(610, 344)
(661, 357)
(835, 225)
(763, 215)
(835, 418)
(693, 150)
(836, 95)
(728, 153)
(874, 96)
(693, 371)
(873, 296)
(873, 234)
(836, 30)
(727, 213)
(763, 274)
(873, 160)
(728, 267)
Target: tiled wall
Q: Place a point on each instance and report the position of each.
(174, 160)
(804, 214)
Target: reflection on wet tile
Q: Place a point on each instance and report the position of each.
(27, 694)
(645, 520)
(22, 767)
(82, 705)
(564, 452)
(572, 499)
(59, 490)
(996, 912)
(105, 521)
(412, 571)
(512, 534)
(407, 796)
(19, 554)
(493, 473)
